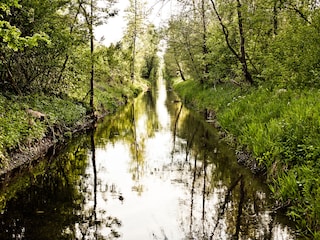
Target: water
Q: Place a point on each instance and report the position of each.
(156, 170)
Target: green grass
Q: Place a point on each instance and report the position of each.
(18, 129)
(281, 128)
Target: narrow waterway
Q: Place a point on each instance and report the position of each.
(155, 170)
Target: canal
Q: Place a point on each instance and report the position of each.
(155, 170)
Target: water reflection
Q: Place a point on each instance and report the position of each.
(154, 171)
(39, 203)
(167, 176)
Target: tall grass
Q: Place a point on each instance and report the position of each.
(281, 128)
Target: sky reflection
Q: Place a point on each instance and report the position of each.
(163, 186)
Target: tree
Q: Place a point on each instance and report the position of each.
(205, 49)
(185, 45)
(13, 39)
(11, 35)
(134, 38)
(88, 14)
(136, 16)
(242, 55)
(94, 15)
(188, 40)
(150, 62)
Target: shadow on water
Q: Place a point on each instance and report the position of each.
(156, 170)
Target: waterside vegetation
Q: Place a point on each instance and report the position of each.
(279, 129)
(57, 79)
(254, 68)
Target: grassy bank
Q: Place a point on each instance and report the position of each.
(281, 128)
(52, 116)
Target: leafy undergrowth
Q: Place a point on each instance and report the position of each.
(19, 129)
(17, 126)
(281, 128)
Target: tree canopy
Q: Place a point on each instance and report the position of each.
(253, 42)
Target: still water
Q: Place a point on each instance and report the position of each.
(155, 170)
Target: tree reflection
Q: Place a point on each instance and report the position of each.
(94, 222)
(94, 167)
(233, 206)
(137, 149)
(79, 196)
(175, 127)
(192, 194)
(60, 198)
(45, 197)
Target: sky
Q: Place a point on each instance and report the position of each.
(112, 32)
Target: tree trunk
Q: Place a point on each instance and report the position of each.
(205, 51)
(67, 56)
(242, 56)
(242, 59)
(178, 65)
(134, 39)
(188, 48)
(92, 62)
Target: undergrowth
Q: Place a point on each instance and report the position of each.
(19, 129)
(281, 128)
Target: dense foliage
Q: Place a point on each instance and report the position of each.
(51, 65)
(256, 63)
